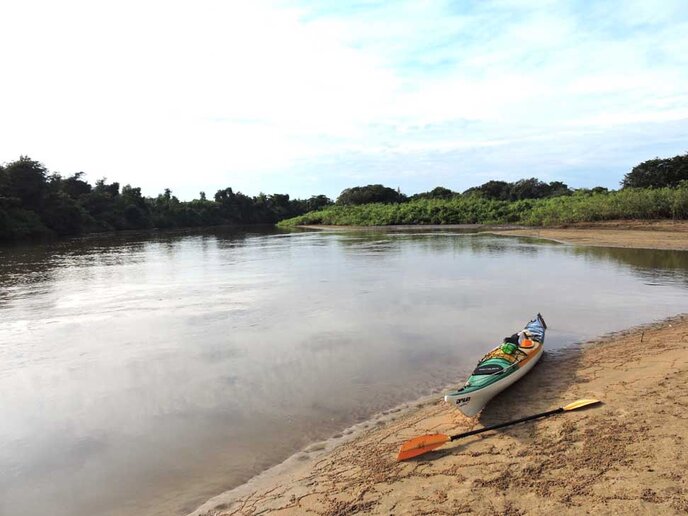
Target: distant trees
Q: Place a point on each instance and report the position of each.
(25, 182)
(658, 173)
(595, 190)
(233, 207)
(318, 202)
(523, 189)
(439, 192)
(75, 187)
(370, 194)
(34, 202)
(497, 190)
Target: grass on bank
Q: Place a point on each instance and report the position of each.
(629, 203)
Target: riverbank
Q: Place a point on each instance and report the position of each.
(627, 456)
(638, 234)
(661, 234)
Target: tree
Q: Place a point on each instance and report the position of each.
(62, 214)
(498, 190)
(657, 173)
(223, 195)
(5, 193)
(557, 189)
(111, 189)
(439, 192)
(131, 195)
(75, 187)
(370, 194)
(523, 189)
(26, 180)
(317, 202)
(135, 210)
(528, 189)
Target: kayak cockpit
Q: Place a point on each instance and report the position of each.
(500, 368)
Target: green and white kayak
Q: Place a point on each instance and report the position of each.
(500, 368)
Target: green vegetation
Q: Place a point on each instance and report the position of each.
(654, 189)
(524, 189)
(369, 194)
(581, 206)
(34, 202)
(657, 173)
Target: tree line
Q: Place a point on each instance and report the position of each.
(654, 189)
(531, 188)
(35, 202)
(654, 173)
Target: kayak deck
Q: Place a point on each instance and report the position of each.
(498, 369)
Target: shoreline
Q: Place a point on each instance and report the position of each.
(626, 456)
(668, 235)
(662, 235)
(312, 453)
(301, 473)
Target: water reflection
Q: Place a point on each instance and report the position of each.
(139, 372)
(651, 265)
(375, 242)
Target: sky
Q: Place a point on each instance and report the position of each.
(311, 97)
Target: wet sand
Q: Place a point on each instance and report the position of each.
(633, 234)
(627, 456)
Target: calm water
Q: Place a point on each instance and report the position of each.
(144, 374)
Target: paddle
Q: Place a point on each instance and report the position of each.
(425, 443)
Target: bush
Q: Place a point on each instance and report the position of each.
(584, 206)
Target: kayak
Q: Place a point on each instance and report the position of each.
(500, 368)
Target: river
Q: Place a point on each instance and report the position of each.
(143, 373)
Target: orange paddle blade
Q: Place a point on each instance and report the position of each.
(420, 445)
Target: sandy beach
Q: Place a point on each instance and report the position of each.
(661, 234)
(626, 456)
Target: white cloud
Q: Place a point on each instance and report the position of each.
(264, 95)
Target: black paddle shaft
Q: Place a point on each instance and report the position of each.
(508, 423)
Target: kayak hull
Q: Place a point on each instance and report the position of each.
(496, 371)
